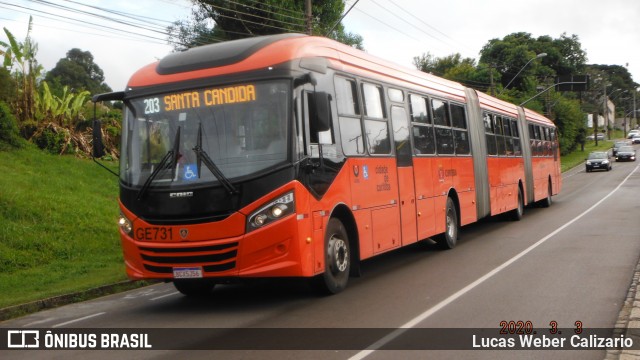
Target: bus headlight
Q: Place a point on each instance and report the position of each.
(125, 224)
(271, 212)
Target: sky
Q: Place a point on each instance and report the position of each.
(396, 30)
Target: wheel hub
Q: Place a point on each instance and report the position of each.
(340, 254)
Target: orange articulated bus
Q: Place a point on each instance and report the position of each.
(298, 156)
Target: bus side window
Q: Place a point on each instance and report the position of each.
(347, 96)
(349, 116)
(444, 140)
(401, 139)
(460, 135)
(372, 100)
(506, 124)
(532, 139)
(351, 135)
(422, 129)
(497, 128)
(375, 124)
(492, 147)
(547, 142)
(440, 113)
(517, 144)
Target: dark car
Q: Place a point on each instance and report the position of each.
(618, 144)
(626, 153)
(598, 160)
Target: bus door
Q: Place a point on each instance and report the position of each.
(406, 185)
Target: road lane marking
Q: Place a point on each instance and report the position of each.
(418, 319)
(79, 319)
(164, 296)
(31, 324)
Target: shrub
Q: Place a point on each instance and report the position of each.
(9, 132)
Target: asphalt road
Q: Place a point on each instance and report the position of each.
(572, 262)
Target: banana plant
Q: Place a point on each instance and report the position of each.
(20, 59)
(62, 110)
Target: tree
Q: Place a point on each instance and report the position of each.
(220, 20)
(455, 68)
(510, 54)
(78, 72)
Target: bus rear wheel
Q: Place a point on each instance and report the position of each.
(449, 239)
(337, 259)
(194, 287)
(516, 214)
(546, 202)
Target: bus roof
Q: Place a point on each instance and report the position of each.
(269, 51)
(491, 103)
(536, 117)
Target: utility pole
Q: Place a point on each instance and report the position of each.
(307, 5)
(605, 109)
(493, 85)
(596, 116)
(635, 123)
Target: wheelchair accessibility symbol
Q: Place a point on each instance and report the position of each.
(190, 172)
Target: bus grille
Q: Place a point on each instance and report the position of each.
(214, 258)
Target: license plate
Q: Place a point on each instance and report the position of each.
(187, 273)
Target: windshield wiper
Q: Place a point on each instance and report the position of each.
(172, 156)
(202, 156)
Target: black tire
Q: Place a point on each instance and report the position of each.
(449, 238)
(194, 287)
(517, 213)
(546, 202)
(337, 259)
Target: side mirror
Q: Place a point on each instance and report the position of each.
(98, 145)
(321, 116)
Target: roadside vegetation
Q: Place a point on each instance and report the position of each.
(57, 226)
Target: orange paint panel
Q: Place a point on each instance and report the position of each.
(318, 241)
(440, 204)
(468, 209)
(426, 218)
(407, 205)
(363, 219)
(386, 226)
(424, 177)
(442, 175)
(374, 182)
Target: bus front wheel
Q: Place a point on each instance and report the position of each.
(337, 259)
(449, 239)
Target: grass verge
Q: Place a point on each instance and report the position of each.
(57, 226)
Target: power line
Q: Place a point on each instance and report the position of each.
(84, 23)
(425, 23)
(267, 11)
(255, 16)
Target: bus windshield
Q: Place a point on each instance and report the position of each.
(241, 129)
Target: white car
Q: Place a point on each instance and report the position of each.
(636, 139)
(599, 135)
(632, 133)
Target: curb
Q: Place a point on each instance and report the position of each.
(38, 305)
(628, 323)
